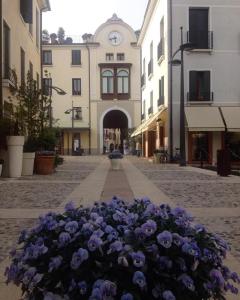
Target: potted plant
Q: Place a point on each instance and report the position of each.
(115, 157)
(124, 251)
(29, 149)
(1, 166)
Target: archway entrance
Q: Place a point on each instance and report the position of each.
(115, 131)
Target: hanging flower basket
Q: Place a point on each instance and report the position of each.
(121, 251)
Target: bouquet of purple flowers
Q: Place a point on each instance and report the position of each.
(121, 251)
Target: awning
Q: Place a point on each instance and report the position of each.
(231, 115)
(148, 123)
(204, 118)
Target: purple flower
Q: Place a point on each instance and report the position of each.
(138, 259)
(165, 239)
(28, 275)
(123, 261)
(130, 218)
(149, 227)
(118, 216)
(116, 247)
(82, 287)
(191, 249)
(217, 278)
(177, 239)
(235, 277)
(165, 262)
(108, 229)
(127, 296)
(78, 258)
(94, 243)
(140, 234)
(87, 229)
(71, 227)
(139, 279)
(55, 263)
(64, 238)
(187, 281)
(96, 294)
(168, 295)
(108, 290)
(69, 206)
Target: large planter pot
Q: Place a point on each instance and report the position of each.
(44, 164)
(28, 163)
(115, 163)
(15, 154)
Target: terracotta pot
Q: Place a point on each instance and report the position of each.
(44, 164)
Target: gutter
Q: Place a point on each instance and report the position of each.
(170, 99)
(89, 97)
(1, 62)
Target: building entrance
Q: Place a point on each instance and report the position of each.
(115, 132)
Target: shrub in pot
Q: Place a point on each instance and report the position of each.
(29, 149)
(121, 251)
(115, 157)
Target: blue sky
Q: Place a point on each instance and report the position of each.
(80, 16)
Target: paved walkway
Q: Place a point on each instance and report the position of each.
(214, 201)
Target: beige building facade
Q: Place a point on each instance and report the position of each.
(21, 44)
(210, 74)
(101, 78)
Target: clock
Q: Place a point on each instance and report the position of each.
(115, 38)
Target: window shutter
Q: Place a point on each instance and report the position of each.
(162, 88)
(26, 9)
(192, 85)
(206, 85)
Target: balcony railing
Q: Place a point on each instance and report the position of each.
(143, 80)
(142, 116)
(150, 110)
(160, 49)
(201, 39)
(150, 67)
(160, 100)
(203, 97)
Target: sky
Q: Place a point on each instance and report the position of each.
(85, 16)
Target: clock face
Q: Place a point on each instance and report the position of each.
(115, 38)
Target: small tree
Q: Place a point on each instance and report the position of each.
(45, 37)
(53, 38)
(61, 35)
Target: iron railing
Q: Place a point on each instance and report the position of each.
(198, 97)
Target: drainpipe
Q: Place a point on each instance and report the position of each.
(89, 97)
(170, 99)
(1, 58)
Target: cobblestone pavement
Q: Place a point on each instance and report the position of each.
(191, 188)
(39, 192)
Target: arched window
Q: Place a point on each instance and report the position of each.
(123, 82)
(107, 82)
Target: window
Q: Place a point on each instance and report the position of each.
(150, 109)
(122, 82)
(26, 8)
(22, 66)
(31, 70)
(120, 56)
(143, 77)
(107, 82)
(161, 43)
(77, 113)
(161, 91)
(199, 83)
(76, 57)
(143, 109)
(47, 84)
(37, 28)
(47, 57)
(76, 86)
(150, 64)
(6, 50)
(198, 27)
(109, 56)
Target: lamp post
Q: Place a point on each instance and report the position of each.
(176, 62)
(59, 92)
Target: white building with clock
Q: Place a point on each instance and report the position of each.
(101, 77)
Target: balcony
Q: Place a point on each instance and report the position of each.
(200, 98)
(150, 68)
(143, 80)
(150, 110)
(160, 49)
(142, 116)
(9, 77)
(202, 40)
(160, 100)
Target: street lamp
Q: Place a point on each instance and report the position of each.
(177, 62)
(59, 92)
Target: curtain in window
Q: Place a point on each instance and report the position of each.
(123, 82)
(107, 82)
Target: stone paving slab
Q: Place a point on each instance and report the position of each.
(34, 195)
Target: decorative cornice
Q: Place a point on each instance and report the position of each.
(114, 19)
